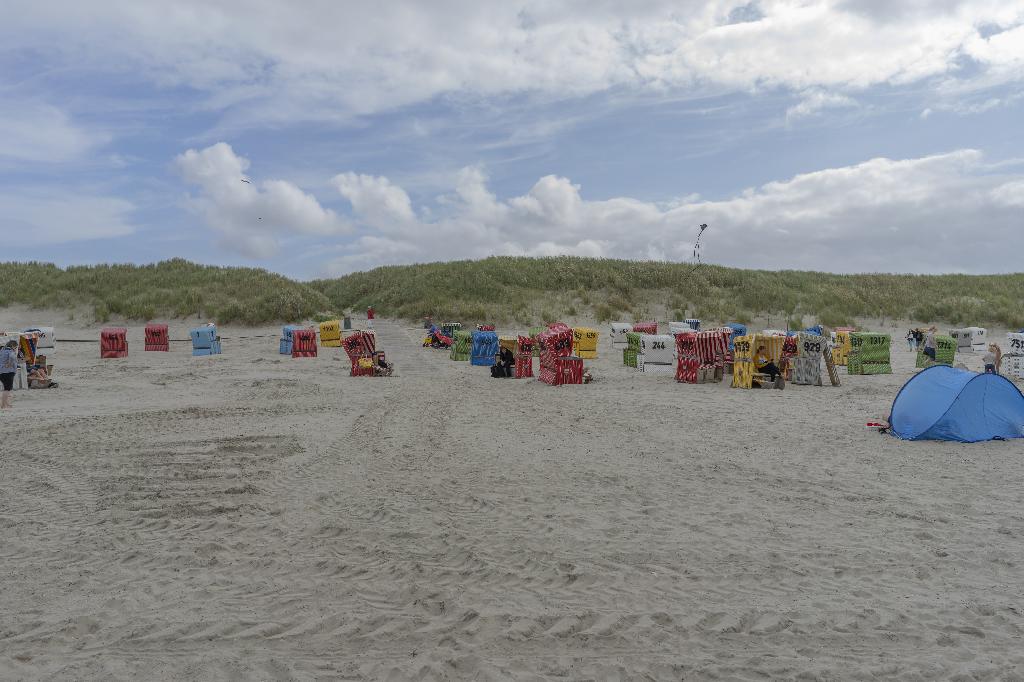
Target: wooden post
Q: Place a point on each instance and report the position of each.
(833, 375)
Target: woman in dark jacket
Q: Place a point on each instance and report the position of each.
(504, 364)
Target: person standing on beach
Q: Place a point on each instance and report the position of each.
(8, 368)
(911, 341)
(369, 317)
(992, 359)
(929, 343)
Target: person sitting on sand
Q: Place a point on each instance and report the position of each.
(383, 368)
(764, 363)
(502, 368)
(992, 359)
(38, 378)
(8, 368)
(507, 361)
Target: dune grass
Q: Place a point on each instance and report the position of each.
(524, 290)
(170, 289)
(516, 290)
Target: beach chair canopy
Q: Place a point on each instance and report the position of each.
(737, 330)
(946, 403)
(46, 336)
(483, 349)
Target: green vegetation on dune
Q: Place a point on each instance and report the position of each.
(171, 289)
(519, 290)
(506, 289)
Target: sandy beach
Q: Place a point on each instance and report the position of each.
(253, 516)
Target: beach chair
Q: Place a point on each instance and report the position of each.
(205, 341)
(304, 343)
(360, 347)
(330, 334)
(157, 338)
(557, 365)
(524, 357)
(114, 342)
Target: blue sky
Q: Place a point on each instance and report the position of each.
(844, 136)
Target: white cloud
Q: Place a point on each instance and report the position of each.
(1011, 194)
(38, 132)
(948, 212)
(251, 216)
(376, 200)
(1003, 50)
(321, 59)
(964, 104)
(41, 216)
(815, 101)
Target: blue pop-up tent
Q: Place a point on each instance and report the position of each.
(945, 403)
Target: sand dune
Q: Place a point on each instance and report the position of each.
(254, 516)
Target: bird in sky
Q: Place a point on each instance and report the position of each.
(249, 183)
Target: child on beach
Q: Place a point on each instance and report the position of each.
(992, 359)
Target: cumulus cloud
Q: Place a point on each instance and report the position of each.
(322, 59)
(916, 215)
(40, 216)
(251, 216)
(376, 200)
